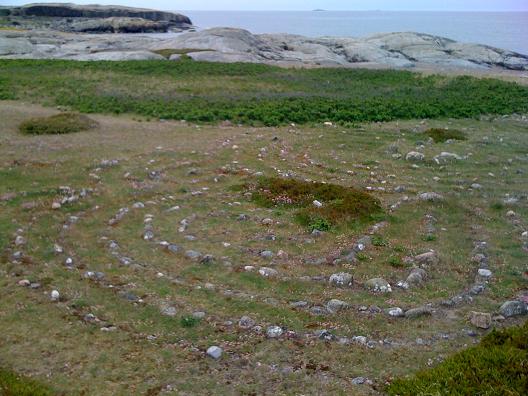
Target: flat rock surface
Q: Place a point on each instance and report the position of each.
(389, 50)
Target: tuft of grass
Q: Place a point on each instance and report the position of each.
(320, 225)
(339, 204)
(378, 240)
(442, 135)
(58, 124)
(497, 366)
(189, 321)
(396, 262)
(12, 384)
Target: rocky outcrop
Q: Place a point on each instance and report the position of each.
(64, 10)
(391, 50)
(118, 25)
(94, 18)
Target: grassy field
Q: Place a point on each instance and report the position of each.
(254, 94)
(154, 231)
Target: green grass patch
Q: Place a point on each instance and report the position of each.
(442, 135)
(254, 94)
(339, 204)
(12, 384)
(57, 124)
(189, 321)
(497, 366)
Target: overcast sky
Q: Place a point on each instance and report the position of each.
(406, 5)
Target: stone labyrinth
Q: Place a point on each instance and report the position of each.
(161, 247)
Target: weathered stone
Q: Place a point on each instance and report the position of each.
(341, 279)
(430, 197)
(428, 259)
(335, 305)
(417, 312)
(268, 272)
(414, 156)
(395, 312)
(246, 322)
(274, 332)
(480, 319)
(513, 308)
(378, 285)
(214, 352)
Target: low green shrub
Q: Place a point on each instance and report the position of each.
(12, 384)
(442, 135)
(497, 366)
(189, 321)
(254, 94)
(57, 124)
(339, 204)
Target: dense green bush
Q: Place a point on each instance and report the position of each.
(12, 384)
(339, 204)
(255, 94)
(497, 366)
(57, 124)
(442, 135)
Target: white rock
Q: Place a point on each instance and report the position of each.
(485, 273)
(55, 295)
(396, 312)
(317, 204)
(214, 352)
(274, 332)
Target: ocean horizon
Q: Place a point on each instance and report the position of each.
(506, 30)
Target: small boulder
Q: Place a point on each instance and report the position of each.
(378, 285)
(428, 259)
(268, 272)
(430, 197)
(416, 277)
(417, 312)
(513, 308)
(480, 319)
(414, 156)
(214, 352)
(335, 305)
(395, 312)
(274, 332)
(341, 279)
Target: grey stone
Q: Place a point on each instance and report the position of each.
(268, 272)
(395, 312)
(513, 308)
(378, 285)
(215, 352)
(430, 197)
(246, 322)
(335, 305)
(417, 312)
(415, 156)
(341, 279)
(427, 259)
(193, 255)
(274, 332)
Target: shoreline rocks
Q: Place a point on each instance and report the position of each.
(387, 50)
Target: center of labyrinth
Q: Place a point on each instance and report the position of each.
(270, 268)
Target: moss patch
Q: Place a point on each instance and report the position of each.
(167, 52)
(339, 204)
(497, 366)
(58, 124)
(12, 384)
(442, 135)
